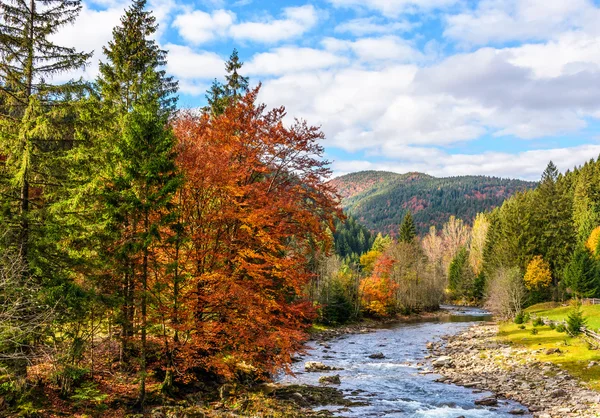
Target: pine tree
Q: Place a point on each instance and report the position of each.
(35, 125)
(236, 84)
(407, 229)
(553, 226)
(215, 98)
(220, 96)
(581, 274)
(141, 181)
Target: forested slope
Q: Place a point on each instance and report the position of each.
(380, 199)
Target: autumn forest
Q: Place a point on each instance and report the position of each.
(149, 252)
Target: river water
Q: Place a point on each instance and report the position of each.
(393, 386)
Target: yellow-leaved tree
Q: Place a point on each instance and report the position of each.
(592, 242)
(538, 275)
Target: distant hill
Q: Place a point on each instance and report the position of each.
(380, 199)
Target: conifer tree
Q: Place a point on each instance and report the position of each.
(553, 219)
(141, 181)
(407, 229)
(581, 274)
(220, 96)
(34, 118)
(236, 83)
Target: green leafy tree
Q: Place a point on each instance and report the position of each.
(407, 231)
(140, 183)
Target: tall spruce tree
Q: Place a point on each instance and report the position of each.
(220, 96)
(581, 274)
(407, 231)
(35, 123)
(553, 219)
(141, 180)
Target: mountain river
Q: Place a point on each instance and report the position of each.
(393, 386)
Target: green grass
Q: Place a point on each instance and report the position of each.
(558, 312)
(575, 353)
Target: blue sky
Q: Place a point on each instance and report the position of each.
(447, 87)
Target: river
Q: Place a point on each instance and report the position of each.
(393, 386)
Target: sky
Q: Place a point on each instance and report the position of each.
(445, 87)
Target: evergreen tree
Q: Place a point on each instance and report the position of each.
(461, 279)
(581, 274)
(142, 179)
(407, 231)
(220, 96)
(553, 226)
(35, 127)
(236, 84)
(215, 98)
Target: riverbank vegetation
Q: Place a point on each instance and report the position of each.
(576, 355)
(147, 253)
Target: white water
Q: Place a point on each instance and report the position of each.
(392, 386)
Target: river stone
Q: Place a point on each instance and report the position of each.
(377, 356)
(316, 366)
(558, 393)
(330, 380)
(443, 361)
(517, 412)
(489, 401)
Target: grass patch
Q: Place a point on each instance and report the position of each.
(575, 353)
(557, 312)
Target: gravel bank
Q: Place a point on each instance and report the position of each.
(475, 359)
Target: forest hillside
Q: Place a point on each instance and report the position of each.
(381, 199)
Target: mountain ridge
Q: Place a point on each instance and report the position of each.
(380, 199)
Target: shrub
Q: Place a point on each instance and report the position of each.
(561, 328)
(576, 320)
(552, 325)
(521, 326)
(519, 318)
(534, 331)
(538, 322)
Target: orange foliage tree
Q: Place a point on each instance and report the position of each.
(254, 206)
(377, 291)
(538, 274)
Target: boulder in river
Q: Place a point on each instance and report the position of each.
(317, 366)
(489, 401)
(330, 380)
(377, 356)
(443, 361)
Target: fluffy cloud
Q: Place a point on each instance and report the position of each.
(526, 165)
(186, 64)
(371, 25)
(394, 7)
(288, 60)
(497, 21)
(199, 27)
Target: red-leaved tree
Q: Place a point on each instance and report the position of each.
(254, 204)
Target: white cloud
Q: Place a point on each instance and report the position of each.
(193, 68)
(526, 165)
(371, 25)
(287, 60)
(199, 27)
(496, 21)
(394, 7)
(296, 21)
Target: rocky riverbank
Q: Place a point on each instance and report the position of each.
(476, 359)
